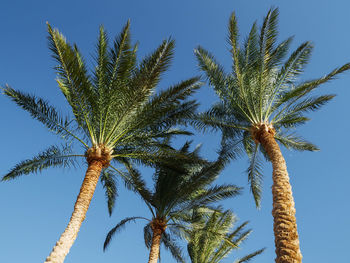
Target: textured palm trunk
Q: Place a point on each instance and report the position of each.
(283, 212)
(154, 253)
(82, 203)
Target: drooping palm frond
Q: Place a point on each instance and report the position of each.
(119, 227)
(171, 245)
(54, 156)
(254, 172)
(108, 180)
(263, 88)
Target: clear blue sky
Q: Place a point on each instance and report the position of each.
(35, 209)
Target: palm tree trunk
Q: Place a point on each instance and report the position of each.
(154, 253)
(81, 206)
(283, 212)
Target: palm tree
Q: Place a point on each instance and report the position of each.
(177, 192)
(217, 239)
(116, 116)
(261, 102)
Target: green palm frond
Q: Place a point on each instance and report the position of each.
(268, 35)
(135, 182)
(251, 47)
(305, 105)
(170, 244)
(215, 72)
(214, 194)
(147, 235)
(292, 141)
(215, 239)
(101, 78)
(54, 156)
(290, 96)
(140, 87)
(73, 80)
(165, 109)
(254, 172)
(217, 119)
(154, 65)
(247, 258)
(122, 54)
(119, 227)
(108, 180)
(291, 120)
(42, 111)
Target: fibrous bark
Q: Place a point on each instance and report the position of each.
(96, 161)
(283, 212)
(158, 227)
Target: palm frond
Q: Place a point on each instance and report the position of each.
(122, 57)
(247, 258)
(108, 180)
(139, 89)
(54, 156)
(268, 37)
(288, 73)
(73, 80)
(214, 240)
(174, 249)
(214, 194)
(295, 142)
(214, 72)
(255, 175)
(102, 60)
(154, 65)
(251, 47)
(292, 95)
(291, 120)
(119, 227)
(133, 181)
(147, 235)
(40, 110)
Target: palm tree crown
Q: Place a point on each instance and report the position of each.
(217, 239)
(116, 114)
(176, 194)
(115, 110)
(261, 93)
